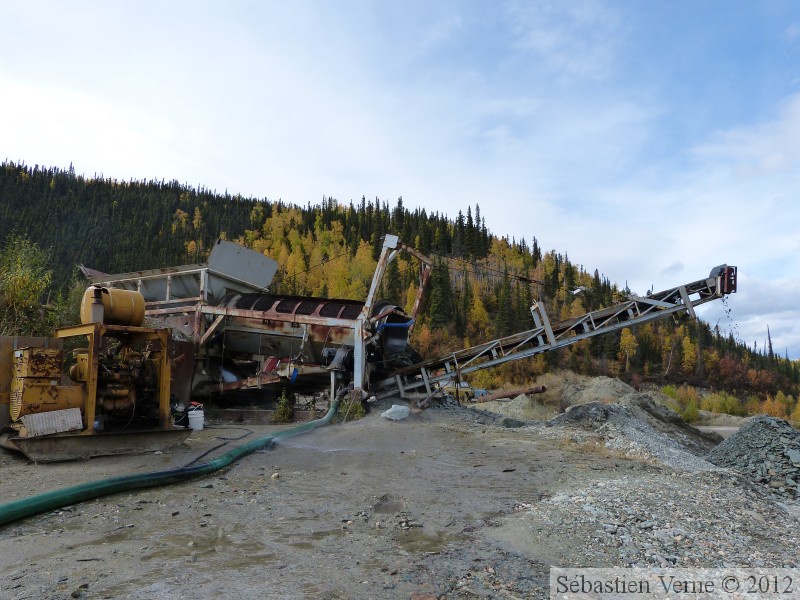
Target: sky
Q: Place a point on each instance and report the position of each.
(649, 140)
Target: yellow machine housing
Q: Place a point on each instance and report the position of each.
(38, 362)
(31, 395)
(126, 374)
(110, 378)
(112, 306)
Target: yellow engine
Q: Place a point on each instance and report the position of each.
(115, 380)
(36, 387)
(113, 376)
(127, 378)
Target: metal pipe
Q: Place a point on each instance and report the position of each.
(538, 389)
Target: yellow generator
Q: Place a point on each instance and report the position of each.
(99, 388)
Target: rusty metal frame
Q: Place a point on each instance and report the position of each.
(425, 268)
(634, 311)
(210, 319)
(95, 332)
(285, 318)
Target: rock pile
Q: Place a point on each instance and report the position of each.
(630, 429)
(767, 450)
(597, 389)
(647, 407)
(663, 519)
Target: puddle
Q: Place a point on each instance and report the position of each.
(415, 540)
(302, 545)
(234, 548)
(388, 506)
(115, 536)
(305, 540)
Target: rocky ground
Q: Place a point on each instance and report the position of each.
(449, 503)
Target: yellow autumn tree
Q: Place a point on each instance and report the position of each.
(422, 339)
(627, 346)
(689, 361)
(179, 220)
(772, 407)
(197, 220)
(191, 248)
(478, 324)
(362, 269)
(795, 416)
(411, 296)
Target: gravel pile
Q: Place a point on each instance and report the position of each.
(603, 389)
(709, 519)
(647, 407)
(156, 323)
(767, 450)
(522, 407)
(624, 430)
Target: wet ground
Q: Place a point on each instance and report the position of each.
(422, 508)
(369, 509)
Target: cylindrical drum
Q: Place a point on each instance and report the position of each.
(120, 307)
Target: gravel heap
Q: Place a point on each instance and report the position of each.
(704, 519)
(767, 450)
(624, 429)
(603, 389)
(647, 407)
(156, 323)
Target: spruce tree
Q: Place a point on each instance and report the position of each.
(440, 305)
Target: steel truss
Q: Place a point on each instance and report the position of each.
(636, 310)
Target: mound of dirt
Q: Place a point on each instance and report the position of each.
(597, 389)
(592, 415)
(523, 407)
(646, 407)
(564, 389)
(767, 450)
(641, 428)
(712, 419)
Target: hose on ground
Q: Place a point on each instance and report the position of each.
(218, 446)
(33, 505)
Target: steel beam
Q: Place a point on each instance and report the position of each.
(544, 337)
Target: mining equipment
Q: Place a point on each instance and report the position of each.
(99, 388)
(218, 332)
(427, 377)
(244, 338)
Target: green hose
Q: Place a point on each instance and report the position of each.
(33, 505)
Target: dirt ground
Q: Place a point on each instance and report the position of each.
(449, 503)
(369, 509)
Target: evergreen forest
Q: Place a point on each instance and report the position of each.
(482, 284)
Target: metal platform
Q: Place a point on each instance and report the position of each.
(230, 268)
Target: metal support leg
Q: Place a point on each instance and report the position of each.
(359, 354)
(426, 380)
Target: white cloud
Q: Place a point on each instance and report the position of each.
(526, 110)
(766, 148)
(574, 39)
(54, 126)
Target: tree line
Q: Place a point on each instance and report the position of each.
(482, 285)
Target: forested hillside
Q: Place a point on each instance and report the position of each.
(482, 285)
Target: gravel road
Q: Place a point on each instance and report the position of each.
(449, 503)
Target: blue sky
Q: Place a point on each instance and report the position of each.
(650, 140)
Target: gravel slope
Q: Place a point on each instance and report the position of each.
(451, 502)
